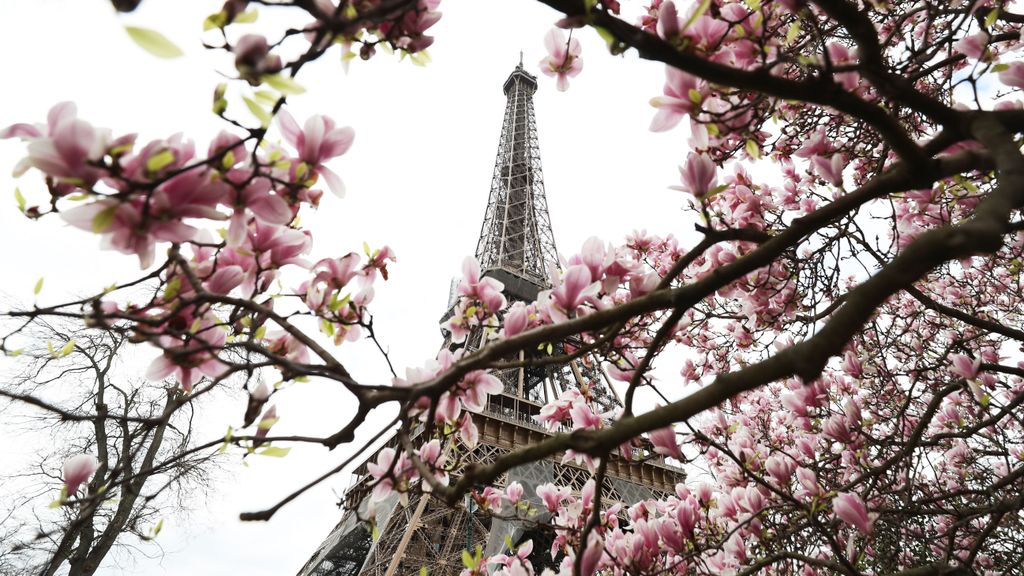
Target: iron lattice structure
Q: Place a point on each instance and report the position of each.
(517, 247)
(516, 242)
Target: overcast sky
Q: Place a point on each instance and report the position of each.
(418, 178)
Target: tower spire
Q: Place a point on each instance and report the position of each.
(516, 244)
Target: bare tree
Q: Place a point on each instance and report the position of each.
(79, 394)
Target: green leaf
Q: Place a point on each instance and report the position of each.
(467, 560)
(695, 96)
(375, 532)
(326, 327)
(258, 111)
(160, 160)
(220, 104)
(171, 291)
(247, 17)
(753, 150)
(39, 286)
(794, 31)
(159, 526)
(267, 98)
(423, 571)
(103, 219)
(227, 439)
(67, 348)
(607, 36)
(283, 84)
(991, 17)
(421, 58)
(217, 20)
(267, 423)
(15, 353)
(716, 190)
(20, 199)
(153, 42)
(274, 452)
(1000, 67)
(260, 333)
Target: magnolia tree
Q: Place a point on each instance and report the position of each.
(847, 325)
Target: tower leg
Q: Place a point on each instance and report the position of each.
(413, 525)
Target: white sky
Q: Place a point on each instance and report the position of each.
(418, 178)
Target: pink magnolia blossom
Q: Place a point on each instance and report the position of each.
(699, 175)
(664, 441)
(687, 515)
(707, 32)
(258, 199)
(516, 320)
(816, 145)
(487, 290)
(289, 346)
(123, 230)
(584, 417)
(1013, 75)
(552, 495)
(780, 468)
(682, 95)
(278, 246)
(489, 499)
(563, 60)
(66, 147)
(514, 492)
(964, 367)
(190, 361)
(841, 55)
(808, 480)
(317, 141)
(592, 555)
(177, 151)
(432, 455)
(231, 147)
(849, 508)
(972, 46)
(575, 288)
(377, 261)
(225, 279)
(468, 432)
(830, 169)
(261, 392)
(391, 470)
(77, 470)
(476, 386)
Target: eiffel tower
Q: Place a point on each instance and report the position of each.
(516, 247)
